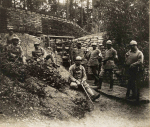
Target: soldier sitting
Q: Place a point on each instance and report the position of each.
(15, 51)
(41, 55)
(78, 77)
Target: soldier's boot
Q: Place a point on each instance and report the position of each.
(93, 96)
(111, 85)
(98, 86)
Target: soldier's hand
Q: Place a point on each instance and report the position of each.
(132, 66)
(78, 83)
(13, 55)
(82, 82)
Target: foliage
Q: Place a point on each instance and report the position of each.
(74, 10)
(124, 20)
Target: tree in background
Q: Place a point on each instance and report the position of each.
(124, 20)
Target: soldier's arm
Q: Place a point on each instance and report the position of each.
(21, 52)
(44, 53)
(140, 60)
(84, 78)
(115, 56)
(88, 54)
(100, 57)
(4, 40)
(50, 56)
(71, 74)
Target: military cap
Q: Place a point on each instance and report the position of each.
(36, 43)
(109, 42)
(15, 38)
(78, 58)
(78, 42)
(94, 44)
(133, 42)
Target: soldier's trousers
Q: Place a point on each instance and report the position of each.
(110, 71)
(95, 73)
(133, 83)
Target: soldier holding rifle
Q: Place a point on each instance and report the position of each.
(134, 59)
(78, 78)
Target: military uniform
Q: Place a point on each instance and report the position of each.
(134, 61)
(41, 54)
(77, 73)
(81, 53)
(16, 52)
(9, 38)
(108, 65)
(94, 62)
(78, 78)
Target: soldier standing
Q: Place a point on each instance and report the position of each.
(108, 64)
(78, 77)
(95, 58)
(134, 59)
(80, 51)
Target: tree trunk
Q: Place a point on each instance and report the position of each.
(67, 9)
(81, 13)
(87, 14)
(70, 9)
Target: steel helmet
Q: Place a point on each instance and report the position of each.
(15, 38)
(78, 42)
(78, 58)
(109, 42)
(133, 42)
(36, 43)
(94, 44)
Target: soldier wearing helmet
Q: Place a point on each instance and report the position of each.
(8, 37)
(95, 58)
(133, 59)
(15, 51)
(40, 54)
(79, 51)
(110, 57)
(78, 76)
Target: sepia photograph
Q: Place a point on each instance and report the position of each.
(74, 63)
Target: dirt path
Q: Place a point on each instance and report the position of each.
(107, 113)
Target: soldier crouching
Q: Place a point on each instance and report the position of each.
(78, 77)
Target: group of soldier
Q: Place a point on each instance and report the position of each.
(12, 45)
(87, 57)
(100, 65)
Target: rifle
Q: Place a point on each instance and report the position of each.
(87, 93)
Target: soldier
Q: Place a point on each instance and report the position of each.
(40, 54)
(9, 37)
(80, 51)
(95, 58)
(78, 76)
(15, 51)
(134, 59)
(110, 58)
